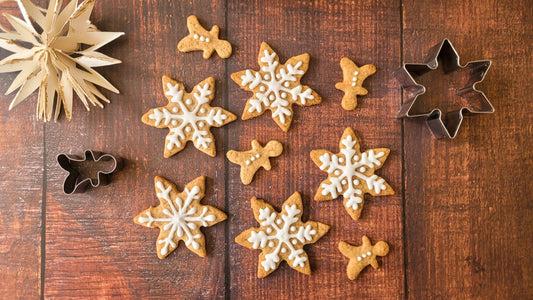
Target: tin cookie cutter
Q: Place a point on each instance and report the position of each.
(471, 100)
(94, 169)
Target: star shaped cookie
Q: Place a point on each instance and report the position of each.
(188, 116)
(362, 256)
(281, 236)
(352, 84)
(251, 160)
(179, 216)
(351, 173)
(276, 87)
(201, 39)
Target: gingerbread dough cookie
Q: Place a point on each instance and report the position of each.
(201, 39)
(251, 160)
(276, 87)
(362, 256)
(352, 84)
(179, 216)
(188, 116)
(281, 236)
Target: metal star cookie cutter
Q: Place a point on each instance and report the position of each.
(85, 171)
(475, 101)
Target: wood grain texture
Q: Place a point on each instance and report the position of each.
(367, 33)
(467, 212)
(21, 184)
(468, 201)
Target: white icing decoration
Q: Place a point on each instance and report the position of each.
(207, 40)
(248, 162)
(181, 218)
(364, 255)
(273, 84)
(349, 171)
(369, 253)
(188, 119)
(284, 239)
(196, 36)
(202, 38)
(257, 155)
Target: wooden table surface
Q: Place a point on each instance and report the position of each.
(459, 226)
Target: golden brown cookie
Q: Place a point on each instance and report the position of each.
(251, 160)
(188, 116)
(352, 84)
(362, 256)
(201, 39)
(281, 236)
(179, 216)
(276, 87)
(351, 173)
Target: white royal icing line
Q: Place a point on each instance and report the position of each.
(180, 219)
(282, 239)
(186, 118)
(346, 171)
(274, 87)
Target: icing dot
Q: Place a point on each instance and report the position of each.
(362, 169)
(341, 159)
(337, 172)
(271, 244)
(201, 124)
(294, 242)
(196, 36)
(271, 97)
(356, 73)
(355, 157)
(283, 250)
(356, 182)
(202, 110)
(269, 230)
(188, 101)
(257, 155)
(363, 256)
(207, 40)
(358, 258)
(174, 122)
(247, 162)
(188, 129)
(266, 77)
(252, 158)
(202, 38)
(278, 221)
(293, 228)
(278, 76)
(286, 84)
(369, 253)
(344, 181)
(354, 79)
(353, 83)
(175, 109)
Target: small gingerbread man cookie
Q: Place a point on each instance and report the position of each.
(251, 160)
(362, 256)
(352, 84)
(201, 39)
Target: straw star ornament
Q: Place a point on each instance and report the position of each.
(47, 52)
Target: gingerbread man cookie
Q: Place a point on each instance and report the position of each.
(251, 160)
(362, 256)
(352, 84)
(201, 39)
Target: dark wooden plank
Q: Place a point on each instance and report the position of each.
(367, 32)
(21, 175)
(468, 201)
(93, 246)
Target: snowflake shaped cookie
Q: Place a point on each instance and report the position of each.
(281, 235)
(179, 216)
(276, 87)
(188, 116)
(351, 173)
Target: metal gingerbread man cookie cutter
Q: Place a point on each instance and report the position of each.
(84, 172)
(475, 101)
